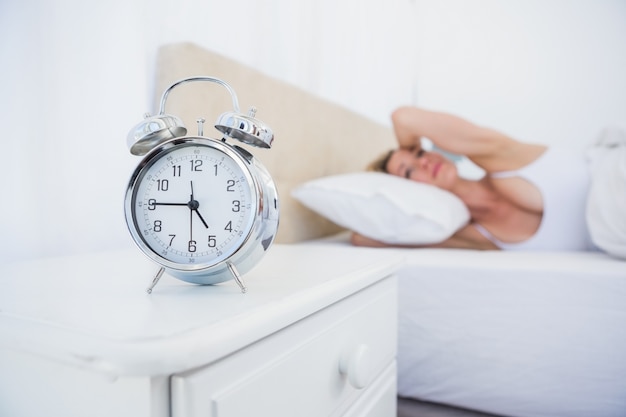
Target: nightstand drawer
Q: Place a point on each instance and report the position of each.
(297, 370)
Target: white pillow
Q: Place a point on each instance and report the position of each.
(386, 208)
(606, 201)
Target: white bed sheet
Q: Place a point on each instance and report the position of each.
(513, 333)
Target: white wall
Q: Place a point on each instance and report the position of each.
(337, 49)
(74, 81)
(548, 71)
(77, 76)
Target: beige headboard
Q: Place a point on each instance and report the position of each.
(313, 137)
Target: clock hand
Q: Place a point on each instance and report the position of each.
(190, 205)
(193, 206)
(170, 204)
(201, 218)
(190, 226)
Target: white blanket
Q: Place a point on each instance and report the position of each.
(606, 203)
(518, 334)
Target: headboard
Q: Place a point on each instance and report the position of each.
(313, 137)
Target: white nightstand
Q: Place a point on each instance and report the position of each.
(314, 336)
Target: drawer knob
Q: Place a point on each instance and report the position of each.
(355, 364)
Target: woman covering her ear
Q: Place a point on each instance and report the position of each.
(532, 197)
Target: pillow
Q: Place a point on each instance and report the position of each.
(386, 208)
(606, 201)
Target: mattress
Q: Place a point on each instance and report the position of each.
(528, 334)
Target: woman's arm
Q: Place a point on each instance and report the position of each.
(488, 148)
(465, 238)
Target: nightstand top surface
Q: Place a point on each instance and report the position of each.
(93, 310)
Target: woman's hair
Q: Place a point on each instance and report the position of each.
(380, 163)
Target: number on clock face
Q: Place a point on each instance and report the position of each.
(194, 204)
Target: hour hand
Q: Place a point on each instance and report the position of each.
(193, 206)
(201, 218)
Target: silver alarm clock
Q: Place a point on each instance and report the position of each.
(203, 209)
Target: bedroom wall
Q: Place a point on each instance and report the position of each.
(543, 71)
(76, 77)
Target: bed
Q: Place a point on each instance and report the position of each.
(510, 333)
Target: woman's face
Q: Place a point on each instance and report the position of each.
(422, 166)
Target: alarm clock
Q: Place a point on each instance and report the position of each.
(203, 209)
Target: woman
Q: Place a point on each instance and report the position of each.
(532, 197)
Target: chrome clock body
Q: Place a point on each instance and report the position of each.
(200, 207)
(204, 210)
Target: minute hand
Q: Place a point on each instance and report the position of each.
(194, 204)
(169, 204)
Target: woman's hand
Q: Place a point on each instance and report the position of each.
(489, 149)
(360, 240)
(448, 132)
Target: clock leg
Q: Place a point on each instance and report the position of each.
(237, 277)
(155, 280)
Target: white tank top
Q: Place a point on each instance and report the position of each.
(563, 179)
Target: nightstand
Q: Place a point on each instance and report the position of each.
(315, 335)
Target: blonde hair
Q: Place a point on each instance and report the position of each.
(380, 164)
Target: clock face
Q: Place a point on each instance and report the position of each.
(192, 205)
